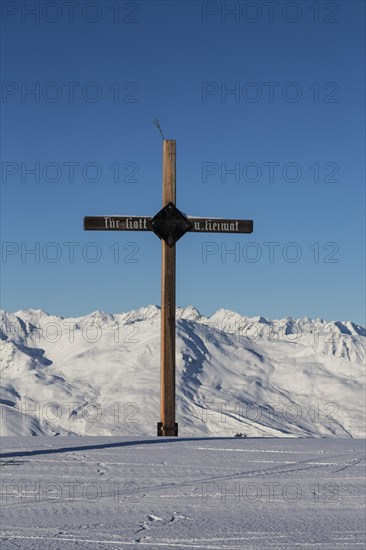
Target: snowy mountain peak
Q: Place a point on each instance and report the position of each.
(31, 311)
(190, 313)
(99, 316)
(142, 314)
(261, 320)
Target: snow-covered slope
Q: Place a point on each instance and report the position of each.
(182, 493)
(99, 374)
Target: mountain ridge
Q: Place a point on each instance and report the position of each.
(98, 374)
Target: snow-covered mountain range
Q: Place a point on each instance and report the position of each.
(99, 374)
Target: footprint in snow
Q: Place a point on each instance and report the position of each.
(101, 470)
(152, 517)
(181, 516)
(145, 525)
(142, 539)
(176, 516)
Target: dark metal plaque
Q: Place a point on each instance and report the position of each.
(117, 223)
(220, 225)
(170, 224)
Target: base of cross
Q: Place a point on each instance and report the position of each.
(165, 431)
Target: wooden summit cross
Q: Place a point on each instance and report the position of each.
(169, 225)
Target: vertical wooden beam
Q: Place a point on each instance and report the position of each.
(167, 425)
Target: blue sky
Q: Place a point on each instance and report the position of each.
(277, 97)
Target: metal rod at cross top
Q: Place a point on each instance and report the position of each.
(169, 224)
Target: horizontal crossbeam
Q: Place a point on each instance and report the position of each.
(142, 223)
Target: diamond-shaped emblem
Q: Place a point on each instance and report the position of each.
(170, 224)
